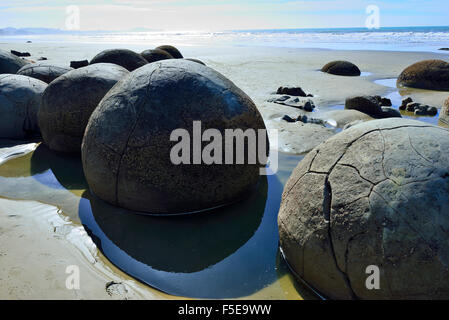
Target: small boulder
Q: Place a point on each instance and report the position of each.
(291, 91)
(79, 64)
(43, 71)
(428, 74)
(123, 57)
(444, 49)
(69, 100)
(42, 59)
(156, 55)
(20, 99)
(370, 105)
(341, 68)
(10, 63)
(175, 53)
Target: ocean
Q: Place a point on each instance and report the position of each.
(395, 39)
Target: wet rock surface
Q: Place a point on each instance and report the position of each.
(427, 74)
(418, 109)
(375, 194)
(10, 63)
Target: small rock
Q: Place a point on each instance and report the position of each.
(42, 59)
(444, 49)
(292, 91)
(405, 102)
(29, 41)
(386, 102)
(309, 106)
(79, 64)
(288, 119)
(20, 54)
(342, 68)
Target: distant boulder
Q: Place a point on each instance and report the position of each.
(427, 74)
(342, 68)
(292, 91)
(43, 71)
(123, 57)
(20, 54)
(155, 55)
(175, 53)
(79, 64)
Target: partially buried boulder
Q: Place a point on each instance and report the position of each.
(20, 98)
(9, 63)
(372, 106)
(43, 71)
(376, 194)
(155, 55)
(79, 64)
(341, 68)
(427, 74)
(130, 151)
(123, 57)
(68, 102)
(175, 53)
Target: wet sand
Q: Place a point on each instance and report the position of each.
(40, 230)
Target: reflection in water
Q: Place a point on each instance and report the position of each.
(226, 253)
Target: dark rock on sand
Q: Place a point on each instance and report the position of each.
(10, 63)
(304, 104)
(20, 54)
(418, 108)
(341, 68)
(126, 150)
(375, 194)
(79, 64)
(386, 102)
(371, 105)
(444, 49)
(156, 55)
(288, 118)
(20, 98)
(123, 57)
(42, 59)
(428, 74)
(175, 53)
(196, 60)
(43, 71)
(292, 91)
(69, 100)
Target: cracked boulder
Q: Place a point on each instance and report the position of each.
(43, 71)
(125, 58)
(376, 194)
(10, 63)
(127, 147)
(20, 99)
(427, 74)
(69, 100)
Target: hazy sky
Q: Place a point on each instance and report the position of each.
(221, 15)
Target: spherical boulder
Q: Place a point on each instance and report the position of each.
(427, 74)
(155, 55)
(43, 71)
(175, 53)
(20, 99)
(342, 68)
(372, 200)
(69, 100)
(123, 57)
(10, 63)
(128, 147)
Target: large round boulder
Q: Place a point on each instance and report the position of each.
(20, 99)
(10, 63)
(123, 57)
(69, 100)
(43, 71)
(427, 74)
(155, 55)
(128, 143)
(175, 53)
(372, 203)
(342, 68)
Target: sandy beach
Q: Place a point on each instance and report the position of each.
(40, 230)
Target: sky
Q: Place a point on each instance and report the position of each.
(215, 15)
